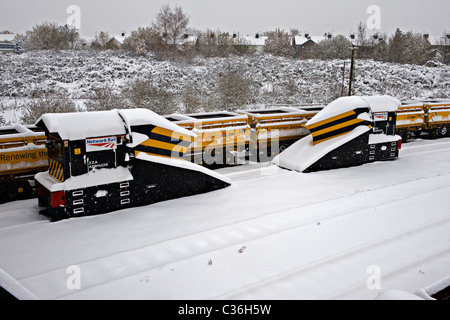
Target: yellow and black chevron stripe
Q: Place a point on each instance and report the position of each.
(336, 126)
(166, 143)
(56, 170)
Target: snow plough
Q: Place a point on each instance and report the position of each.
(22, 155)
(350, 131)
(109, 160)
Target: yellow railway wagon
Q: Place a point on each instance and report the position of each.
(22, 154)
(438, 118)
(222, 138)
(273, 129)
(410, 119)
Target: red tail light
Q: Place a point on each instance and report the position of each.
(58, 199)
(400, 144)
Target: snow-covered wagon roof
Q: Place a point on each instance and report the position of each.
(81, 125)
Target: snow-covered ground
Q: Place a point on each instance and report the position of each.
(274, 79)
(274, 234)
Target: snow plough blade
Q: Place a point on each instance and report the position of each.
(348, 132)
(110, 160)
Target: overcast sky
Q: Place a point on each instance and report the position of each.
(243, 16)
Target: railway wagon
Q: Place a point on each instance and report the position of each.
(222, 138)
(110, 160)
(22, 155)
(273, 129)
(437, 118)
(429, 117)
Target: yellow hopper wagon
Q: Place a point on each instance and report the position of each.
(410, 120)
(22, 154)
(222, 138)
(437, 116)
(273, 129)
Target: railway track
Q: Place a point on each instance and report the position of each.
(301, 248)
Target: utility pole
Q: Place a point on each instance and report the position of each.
(343, 80)
(353, 48)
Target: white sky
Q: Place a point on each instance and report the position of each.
(243, 16)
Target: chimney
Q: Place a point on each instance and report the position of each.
(257, 36)
(426, 36)
(123, 34)
(375, 36)
(330, 36)
(306, 35)
(352, 36)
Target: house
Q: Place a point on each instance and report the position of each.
(254, 44)
(115, 42)
(440, 48)
(304, 45)
(8, 43)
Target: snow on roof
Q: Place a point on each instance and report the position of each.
(382, 103)
(119, 38)
(301, 40)
(254, 41)
(7, 37)
(345, 104)
(82, 125)
(136, 117)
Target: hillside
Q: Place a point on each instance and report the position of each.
(271, 79)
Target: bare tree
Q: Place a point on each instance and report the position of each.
(335, 48)
(142, 41)
(278, 43)
(171, 24)
(215, 44)
(104, 98)
(410, 48)
(50, 36)
(57, 103)
(234, 89)
(100, 41)
(361, 34)
(142, 93)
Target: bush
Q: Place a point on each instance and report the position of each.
(35, 108)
